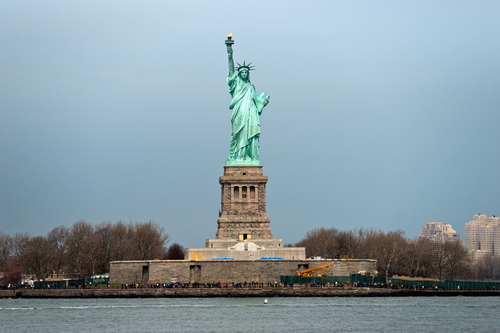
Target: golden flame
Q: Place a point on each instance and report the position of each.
(230, 36)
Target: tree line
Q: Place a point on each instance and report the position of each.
(398, 255)
(84, 249)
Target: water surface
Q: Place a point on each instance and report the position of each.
(388, 314)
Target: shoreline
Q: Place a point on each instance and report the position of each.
(236, 292)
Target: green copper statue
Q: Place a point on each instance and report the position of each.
(247, 107)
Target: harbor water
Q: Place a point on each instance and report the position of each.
(342, 314)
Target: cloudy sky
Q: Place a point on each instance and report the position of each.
(383, 114)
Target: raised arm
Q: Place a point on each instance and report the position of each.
(230, 60)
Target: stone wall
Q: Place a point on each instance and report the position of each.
(129, 272)
(162, 271)
(237, 292)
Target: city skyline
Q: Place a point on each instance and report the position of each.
(439, 232)
(482, 236)
(381, 115)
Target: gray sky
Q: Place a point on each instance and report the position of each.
(382, 114)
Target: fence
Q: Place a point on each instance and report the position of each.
(332, 279)
(465, 285)
(448, 285)
(71, 283)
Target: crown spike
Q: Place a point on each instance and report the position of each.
(245, 65)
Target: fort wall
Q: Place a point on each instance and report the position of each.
(228, 271)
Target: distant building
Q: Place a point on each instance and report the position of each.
(483, 234)
(477, 255)
(439, 232)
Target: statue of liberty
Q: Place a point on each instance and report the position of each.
(247, 107)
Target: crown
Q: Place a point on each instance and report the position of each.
(247, 66)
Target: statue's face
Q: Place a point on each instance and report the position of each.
(243, 74)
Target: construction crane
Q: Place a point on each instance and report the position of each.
(309, 272)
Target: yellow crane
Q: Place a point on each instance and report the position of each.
(309, 272)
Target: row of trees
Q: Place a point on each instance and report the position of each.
(395, 254)
(487, 268)
(85, 249)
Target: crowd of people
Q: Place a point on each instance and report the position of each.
(253, 284)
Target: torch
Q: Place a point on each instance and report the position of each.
(229, 40)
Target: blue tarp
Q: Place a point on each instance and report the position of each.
(222, 258)
(265, 258)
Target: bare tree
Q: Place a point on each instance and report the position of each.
(487, 267)
(121, 241)
(457, 260)
(104, 234)
(349, 243)
(495, 267)
(149, 241)
(386, 248)
(39, 258)
(438, 260)
(479, 269)
(95, 254)
(320, 242)
(79, 238)
(6, 250)
(85, 249)
(392, 249)
(368, 243)
(58, 238)
(417, 257)
(20, 244)
(330, 243)
(450, 260)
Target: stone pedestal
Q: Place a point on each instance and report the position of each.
(243, 204)
(243, 231)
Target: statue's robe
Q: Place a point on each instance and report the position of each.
(246, 106)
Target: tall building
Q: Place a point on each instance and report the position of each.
(439, 232)
(483, 234)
